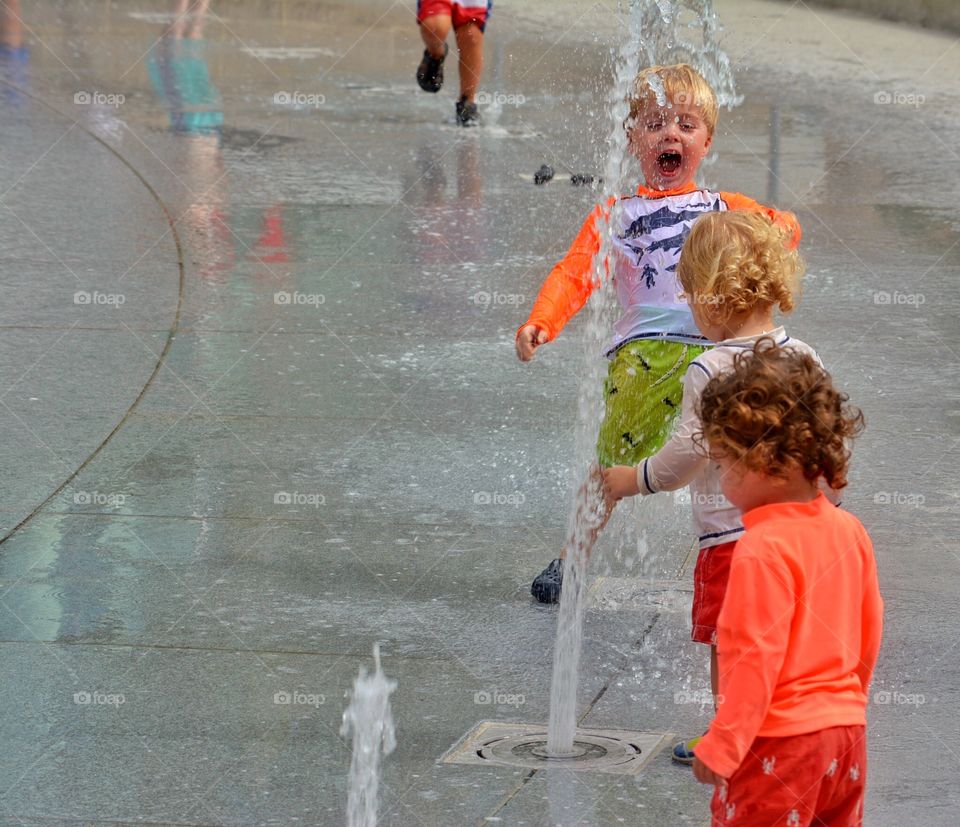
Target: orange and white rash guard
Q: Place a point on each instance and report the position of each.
(799, 632)
(651, 229)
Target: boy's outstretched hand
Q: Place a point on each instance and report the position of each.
(528, 340)
(705, 775)
(620, 481)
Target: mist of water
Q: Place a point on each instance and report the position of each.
(657, 32)
(369, 719)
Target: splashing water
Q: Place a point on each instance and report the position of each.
(369, 718)
(660, 32)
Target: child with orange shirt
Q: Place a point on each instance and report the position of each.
(800, 627)
(670, 127)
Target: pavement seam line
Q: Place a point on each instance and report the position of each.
(170, 334)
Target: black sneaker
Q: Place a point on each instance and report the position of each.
(467, 114)
(546, 585)
(430, 70)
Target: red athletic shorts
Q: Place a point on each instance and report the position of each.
(814, 779)
(460, 11)
(709, 586)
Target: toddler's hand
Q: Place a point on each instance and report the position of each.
(705, 775)
(528, 340)
(620, 481)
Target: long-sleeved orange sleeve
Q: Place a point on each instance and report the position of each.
(799, 632)
(786, 220)
(570, 282)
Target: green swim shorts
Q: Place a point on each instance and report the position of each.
(642, 392)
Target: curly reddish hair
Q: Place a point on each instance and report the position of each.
(778, 410)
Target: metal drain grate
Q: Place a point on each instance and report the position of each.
(525, 745)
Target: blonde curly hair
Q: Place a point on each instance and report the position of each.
(737, 260)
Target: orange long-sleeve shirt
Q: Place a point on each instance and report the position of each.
(568, 286)
(799, 632)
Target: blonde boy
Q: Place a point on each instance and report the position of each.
(670, 128)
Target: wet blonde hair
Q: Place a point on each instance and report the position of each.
(737, 260)
(682, 84)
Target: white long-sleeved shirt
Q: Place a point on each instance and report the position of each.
(679, 463)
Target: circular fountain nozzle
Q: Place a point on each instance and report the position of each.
(541, 751)
(530, 750)
(525, 745)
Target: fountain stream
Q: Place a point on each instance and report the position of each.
(369, 719)
(658, 32)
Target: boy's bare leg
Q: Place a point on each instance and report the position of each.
(470, 47)
(594, 508)
(593, 514)
(434, 31)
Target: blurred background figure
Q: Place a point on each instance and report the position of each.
(468, 19)
(179, 73)
(14, 54)
(180, 77)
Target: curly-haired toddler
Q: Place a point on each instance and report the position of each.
(800, 628)
(736, 269)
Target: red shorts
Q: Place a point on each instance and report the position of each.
(459, 11)
(709, 586)
(814, 779)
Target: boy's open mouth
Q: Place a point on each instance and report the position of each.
(669, 162)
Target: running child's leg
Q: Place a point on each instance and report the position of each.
(593, 513)
(470, 46)
(434, 19)
(642, 396)
(434, 31)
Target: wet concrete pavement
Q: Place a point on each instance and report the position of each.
(261, 407)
